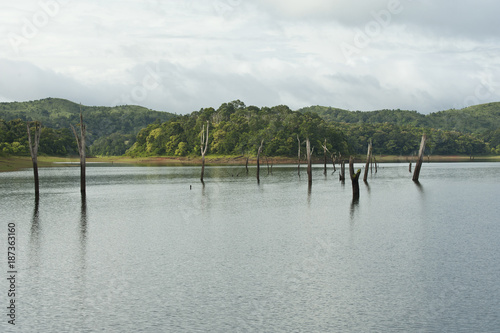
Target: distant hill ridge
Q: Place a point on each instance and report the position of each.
(476, 119)
(115, 130)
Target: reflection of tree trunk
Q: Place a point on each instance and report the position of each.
(258, 160)
(418, 165)
(298, 163)
(34, 153)
(81, 149)
(354, 179)
(368, 159)
(309, 152)
(203, 149)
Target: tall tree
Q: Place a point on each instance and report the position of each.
(80, 141)
(34, 152)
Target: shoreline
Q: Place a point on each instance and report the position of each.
(14, 163)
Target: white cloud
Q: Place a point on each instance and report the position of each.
(180, 56)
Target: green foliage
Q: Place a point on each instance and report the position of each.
(14, 140)
(105, 125)
(469, 131)
(236, 130)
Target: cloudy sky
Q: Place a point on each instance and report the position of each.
(180, 56)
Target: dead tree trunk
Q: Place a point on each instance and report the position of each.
(246, 165)
(324, 156)
(203, 149)
(258, 160)
(34, 152)
(342, 169)
(80, 141)
(354, 179)
(309, 152)
(418, 165)
(334, 159)
(368, 159)
(298, 163)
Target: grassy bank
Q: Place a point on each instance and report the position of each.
(13, 163)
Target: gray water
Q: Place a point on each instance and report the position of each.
(144, 252)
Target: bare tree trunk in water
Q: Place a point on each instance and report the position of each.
(246, 165)
(309, 152)
(298, 164)
(203, 149)
(342, 170)
(80, 141)
(34, 153)
(258, 160)
(354, 179)
(368, 158)
(416, 172)
(324, 155)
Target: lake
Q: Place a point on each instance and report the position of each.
(150, 249)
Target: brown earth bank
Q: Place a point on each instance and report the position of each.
(13, 163)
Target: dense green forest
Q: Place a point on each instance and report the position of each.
(111, 130)
(452, 131)
(54, 142)
(237, 129)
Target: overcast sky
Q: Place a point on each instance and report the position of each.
(180, 56)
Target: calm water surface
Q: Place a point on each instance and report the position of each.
(144, 252)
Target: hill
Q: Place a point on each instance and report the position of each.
(455, 131)
(477, 119)
(236, 129)
(111, 130)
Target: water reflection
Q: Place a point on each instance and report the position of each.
(83, 221)
(309, 191)
(354, 208)
(368, 189)
(35, 227)
(419, 186)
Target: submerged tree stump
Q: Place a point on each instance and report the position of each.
(342, 171)
(368, 159)
(325, 149)
(309, 152)
(354, 179)
(259, 151)
(33, 143)
(80, 141)
(298, 162)
(203, 149)
(418, 165)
